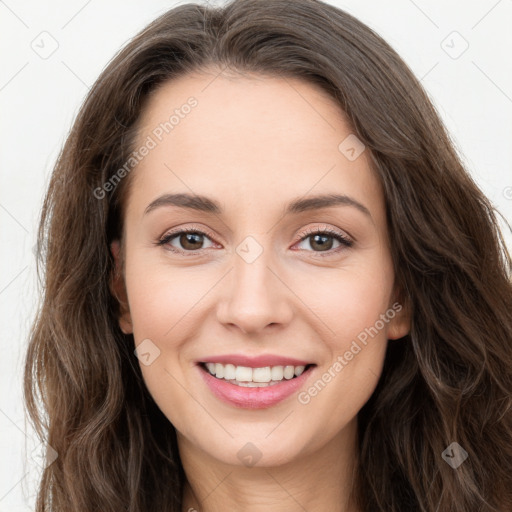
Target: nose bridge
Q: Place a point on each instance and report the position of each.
(256, 296)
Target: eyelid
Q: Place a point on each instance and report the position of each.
(325, 229)
(168, 235)
(189, 228)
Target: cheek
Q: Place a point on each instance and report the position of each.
(162, 305)
(354, 360)
(161, 298)
(356, 308)
(354, 300)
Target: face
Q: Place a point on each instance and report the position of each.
(251, 271)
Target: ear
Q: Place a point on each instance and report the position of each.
(399, 324)
(118, 289)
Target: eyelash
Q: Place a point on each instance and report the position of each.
(344, 241)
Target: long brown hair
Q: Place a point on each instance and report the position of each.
(449, 380)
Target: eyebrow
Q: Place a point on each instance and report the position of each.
(205, 204)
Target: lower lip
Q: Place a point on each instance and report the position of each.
(253, 398)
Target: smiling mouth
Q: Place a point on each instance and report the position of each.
(246, 376)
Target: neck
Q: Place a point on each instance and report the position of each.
(322, 480)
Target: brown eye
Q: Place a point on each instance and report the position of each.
(190, 241)
(322, 241)
(185, 241)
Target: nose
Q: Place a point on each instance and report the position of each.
(255, 297)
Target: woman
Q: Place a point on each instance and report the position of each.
(270, 284)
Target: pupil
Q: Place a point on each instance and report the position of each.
(190, 238)
(322, 245)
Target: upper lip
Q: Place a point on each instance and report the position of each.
(255, 361)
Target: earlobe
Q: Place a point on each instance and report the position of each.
(400, 324)
(400, 315)
(118, 289)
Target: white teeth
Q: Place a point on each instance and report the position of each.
(253, 384)
(261, 374)
(254, 377)
(299, 370)
(242, 373)
(219, 370)
(230, 372)
(276, 373)
(289, 372)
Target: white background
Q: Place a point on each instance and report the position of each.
(40, 97)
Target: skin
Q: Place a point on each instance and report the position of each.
(255, 143)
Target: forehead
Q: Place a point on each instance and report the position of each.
(250, 140)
